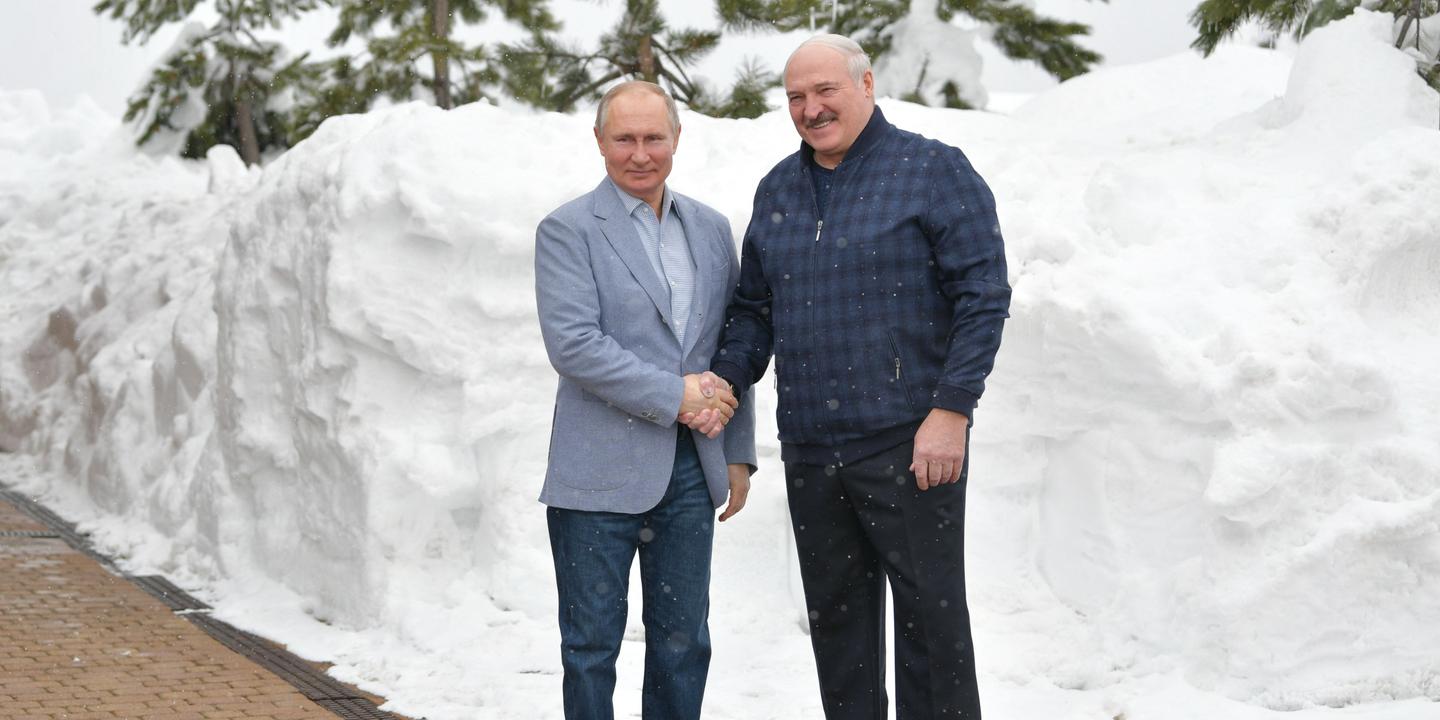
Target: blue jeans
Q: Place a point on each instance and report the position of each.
(593, 552)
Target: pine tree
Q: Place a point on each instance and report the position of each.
(219, 85)
(641, 46)
(1019, 31)
(457, 73)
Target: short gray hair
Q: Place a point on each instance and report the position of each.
(636, 86)
(856, 61)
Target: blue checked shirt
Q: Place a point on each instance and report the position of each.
(886, 304)
(669, 252)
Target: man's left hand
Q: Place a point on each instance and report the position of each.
(739, 489)
(939, 448)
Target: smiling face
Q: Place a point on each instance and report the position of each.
(638, 144)
(828, 107)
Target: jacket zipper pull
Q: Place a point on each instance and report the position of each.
(897, 368)
(818, 225)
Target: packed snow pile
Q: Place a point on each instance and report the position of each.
(1205, 478)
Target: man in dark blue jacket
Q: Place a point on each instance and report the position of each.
(874, 272)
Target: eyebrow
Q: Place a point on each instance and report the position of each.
(817, 86)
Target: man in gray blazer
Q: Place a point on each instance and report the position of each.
(631, 283)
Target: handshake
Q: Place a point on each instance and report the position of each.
(708, 405)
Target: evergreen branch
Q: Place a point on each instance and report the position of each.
(664, 70)
(594, 87)
(250, 35)
(687, 46)
(1024, 35)
(533, 16)
(144, 18)
(766, 15)
(1216, 20)
(686, 89)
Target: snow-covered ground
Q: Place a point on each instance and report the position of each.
(1205, 479)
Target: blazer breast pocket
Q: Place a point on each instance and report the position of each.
(720, 281)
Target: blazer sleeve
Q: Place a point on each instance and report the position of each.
(568, 302)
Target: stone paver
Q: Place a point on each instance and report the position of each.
(79, 643)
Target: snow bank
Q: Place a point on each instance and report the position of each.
(1205, 474)
(1217, 376)
(378, 355)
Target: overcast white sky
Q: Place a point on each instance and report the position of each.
(63, 49)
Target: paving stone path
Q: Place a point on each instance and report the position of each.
(79, 642)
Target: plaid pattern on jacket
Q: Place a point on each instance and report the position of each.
(891, 304)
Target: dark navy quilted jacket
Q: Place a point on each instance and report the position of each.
(889, 305)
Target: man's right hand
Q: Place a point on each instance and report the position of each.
(708, 403)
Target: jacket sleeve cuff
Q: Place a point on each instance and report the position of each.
(731, 373)
(954, 399)
(675, 392)
(739, 435)
(743, 455)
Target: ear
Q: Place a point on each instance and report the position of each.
(598, 141)
(868, 82)
(675, 144)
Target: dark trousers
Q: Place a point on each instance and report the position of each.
(856, 526)
(593, 552)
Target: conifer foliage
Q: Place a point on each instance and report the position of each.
(1216, 20)
(228, 84)
(218, 85)
(642, 46)
(394, 63)
(1019, 31)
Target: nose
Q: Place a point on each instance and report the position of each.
(812, 109)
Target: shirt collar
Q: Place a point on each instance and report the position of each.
(667, 201)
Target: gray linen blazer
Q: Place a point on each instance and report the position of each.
(605, 318)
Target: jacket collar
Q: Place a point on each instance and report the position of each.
(874, 130)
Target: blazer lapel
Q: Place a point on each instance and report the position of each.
(620, 232)
(702, 251)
